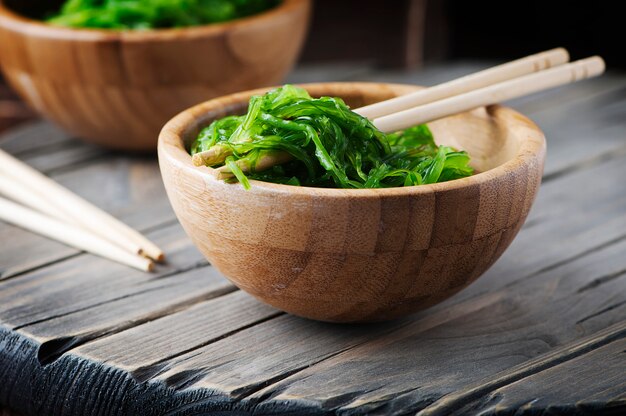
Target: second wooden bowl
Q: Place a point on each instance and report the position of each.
(117, 88)
(359, 255)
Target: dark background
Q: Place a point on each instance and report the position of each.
(409, 33)
(502, 29)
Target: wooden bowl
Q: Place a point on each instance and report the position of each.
(118, 88)
(359, 255)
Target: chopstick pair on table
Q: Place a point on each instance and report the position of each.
(514, 79)
(47, 208)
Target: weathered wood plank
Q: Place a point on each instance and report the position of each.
(560, 388)
(583, 127)
(178, 333)
(271, 350)
(33, 136)
(156, 299)
(166, 335)
(236, 366)
(64, 158)
(85, 281)
(235, 369)
(43, 146)
(27, 251)
(158, 295)
(72, 386)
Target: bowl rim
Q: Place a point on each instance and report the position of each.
(171, 150)
(20, 23)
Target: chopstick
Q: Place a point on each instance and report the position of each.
(496, 74)
(71, 235)
(506, 90)
(18, 193)
(32, 188)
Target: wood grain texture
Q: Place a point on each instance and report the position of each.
(23, 297)
(603, 345)
(540, 333)
(359, 255)
(117, 89)
(557, 383)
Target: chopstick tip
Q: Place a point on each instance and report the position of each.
(153, 253)
(562, 53)
(599, 63)
(150, 267)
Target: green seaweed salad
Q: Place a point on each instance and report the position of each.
(288, 137)
(154, 14)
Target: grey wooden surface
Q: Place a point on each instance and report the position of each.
(542, 332)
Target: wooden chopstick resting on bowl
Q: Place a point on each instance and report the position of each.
(71, 235)
(30, 187)
(493, 94)
(490, 76)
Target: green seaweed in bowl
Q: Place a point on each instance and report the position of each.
(291, 138)
(154, 14)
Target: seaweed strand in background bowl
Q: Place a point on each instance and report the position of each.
(291, 138)
(154, 14)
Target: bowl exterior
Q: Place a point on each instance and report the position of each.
(353, 255)
(117, 89)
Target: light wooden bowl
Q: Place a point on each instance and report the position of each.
(117, 89)
(359, 255)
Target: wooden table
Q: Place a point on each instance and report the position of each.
(544, 330)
